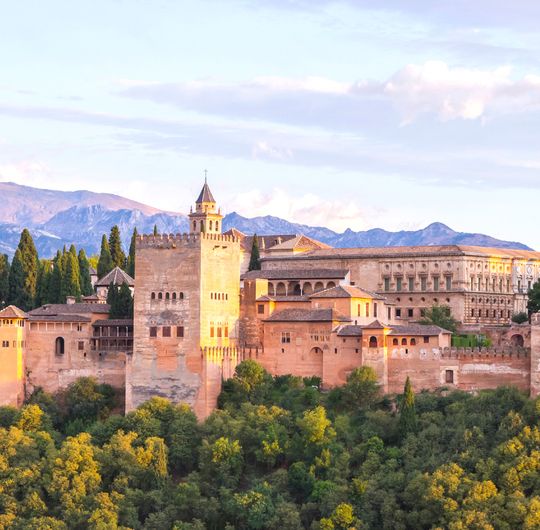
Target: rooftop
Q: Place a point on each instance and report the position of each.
(117, 277)
(206, 194)
(307, 315)
(59, 318)
(114, 322)
(70, 309)
(298, 274)
(346, 291)
(12, 311)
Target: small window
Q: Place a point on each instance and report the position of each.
(367, 309)
(167, 296)
(180, 331)
(166, 332)
(374, 310)
(449, 376)
(426, 340)
(160, 296)
(153, 332)
(219, 332)
(398, 313)
(153, 296)
(395, 342)
(260, 309)
(211, 331)
(373, 342)
(181, 296)
(80, 345)
(174, 296)
(413, 342)
(217, 226)
(404, 342)
(387, 284)
(285, 337)
(59, 346)
(226, 331)
(410, 313)
(399, 283)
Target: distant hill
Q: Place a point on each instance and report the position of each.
(58, 218)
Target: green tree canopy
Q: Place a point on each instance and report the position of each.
(255, 259)
(407, 411)
(131, 257)
(25, 265)
(84, 274)
(440, 315)
(57, 279)
(534, 298)
(71, 277)
(105, 263)
(4, 280)
(115, 246)
(121, 301)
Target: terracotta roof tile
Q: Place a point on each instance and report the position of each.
(297, 274)
(12, 311)
(307, 315)
(346, 291)
(117, 277)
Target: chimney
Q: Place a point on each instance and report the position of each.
(70, 300)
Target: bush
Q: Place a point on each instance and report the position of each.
(520, 318)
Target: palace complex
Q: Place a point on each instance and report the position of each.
(311, 310)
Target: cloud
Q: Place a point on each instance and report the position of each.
(27, 172)
(434, 88)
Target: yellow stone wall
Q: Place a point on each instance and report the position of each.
(12, 340)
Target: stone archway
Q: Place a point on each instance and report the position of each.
(517, 340)
(281, 290)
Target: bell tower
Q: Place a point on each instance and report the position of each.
(205, 218)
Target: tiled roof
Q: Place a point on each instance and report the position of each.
(206, 194)
(92, 271)
(417, 329)
(298, 242)
(70, 309)
(117, 277)
(59, 318)
(114, 322)
(411, 251)
(297, 274)
(346, 291)
(266, 298)
(12, 311)
(350, 331)
(307, 315)
(376, 324)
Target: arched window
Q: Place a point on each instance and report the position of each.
(174, 296)
(373, 342)
(59, 346)
(330, 285)
(210, 226)
(319, 286)
(160, 296)
(404, 342)
(194, 225)
(413, 342)
(153, 296)
(181, 296)
(297, 290)
(280, 289)
(395, 342)
(167, 296)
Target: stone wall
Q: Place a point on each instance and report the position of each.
(12, 337)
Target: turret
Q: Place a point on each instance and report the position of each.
(205, 218)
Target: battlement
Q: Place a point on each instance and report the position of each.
(177, 240)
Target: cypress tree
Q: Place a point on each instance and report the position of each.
(131, 258)
(30, 264)
(155, 230)
(4, 280)
(255, 260)
(84, 274)
(105, 263)
(71, 285)
(44, 282)
(407, 416)
(17, 294)
(57, 276)
(115, 246)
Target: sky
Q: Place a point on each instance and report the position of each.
(353, 114)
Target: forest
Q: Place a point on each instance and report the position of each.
(277, 453)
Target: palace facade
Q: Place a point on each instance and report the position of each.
(311, 310)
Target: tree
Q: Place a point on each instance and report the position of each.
(24, 269)
(105, 263)
(57, 275)
(156, 230)
(44, 282)
(440, 315)
(4, 280)
(520, 318)
(534, 298)
(131, 257)
(84, 274)
(71, 278)
(362, 387)
(120, 300)
(115, 245)
(255, 260)
(407, 411)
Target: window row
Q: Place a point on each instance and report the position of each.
(167, 296)
(212, 225)
(166, 331)
(412, 284)
(411, 342)
(219, 296)
(219, 331)
(481, 284)
(493, 312)
(9, 322)
(492, 301)
(15, 343)
(367, 310)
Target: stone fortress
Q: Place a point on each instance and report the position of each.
(311, 310)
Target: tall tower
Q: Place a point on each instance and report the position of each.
(205, 218)
(12, 337)
(186, 311)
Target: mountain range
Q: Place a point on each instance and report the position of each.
(58, 218)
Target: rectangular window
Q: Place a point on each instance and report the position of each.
(398, 312)
(423, 312)
(387, 284)
(260, 309)
(180, 332)
(410, 313)
(226, 331)
(399, 283)
(375, 309)
(153, 332)
(81, 345)
(449, 283)
(472, 312)
(423, 283)
(367, 310)
(285, 337)
(426, 340)
(389, 313)
(411, 284)
(449, 376)
(166, 332)
(435, 283)
(359, 310)
(211, 331)
(219, 332)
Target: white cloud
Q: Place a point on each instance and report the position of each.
(308, 209)
(26, 172)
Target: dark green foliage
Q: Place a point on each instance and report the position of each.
(4, 280)
(71, 275)
(275, 457)
(121, 301)
(84, 274)
(115, 246)
(440, 315)
(56, 281)
(255, 260)
(520, 318)
(23, 282)
(130, 267)
(407, 412)
(44, 282)
(156, 230)
(534, 298)
(105, 263)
